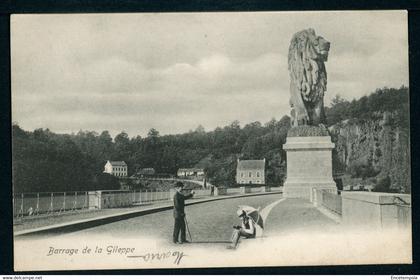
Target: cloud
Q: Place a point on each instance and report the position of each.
(175, 71)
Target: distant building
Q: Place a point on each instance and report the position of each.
(190, 172)
(146, 172)
(250, 172)
(116, 168)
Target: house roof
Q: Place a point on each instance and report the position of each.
(147, 171)
(251, 164)
(117, 163)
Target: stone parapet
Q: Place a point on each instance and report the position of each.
(221, 191)
(246, 189)
(376, 210)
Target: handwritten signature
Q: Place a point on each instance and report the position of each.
(149, 257)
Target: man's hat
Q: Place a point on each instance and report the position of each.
(179, 185)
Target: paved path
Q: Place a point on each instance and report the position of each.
(297, 215)
(208, 222)
(212, 222)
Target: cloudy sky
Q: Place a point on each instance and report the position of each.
(173, 72)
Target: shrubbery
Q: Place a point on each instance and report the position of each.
(367, 107)
(383, 185)
(362, 170)
(45, 161)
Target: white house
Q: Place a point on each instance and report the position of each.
(116, 168)
(250, 172)
(188, 172)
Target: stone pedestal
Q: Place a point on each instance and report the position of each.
(246, 189)
(221, 191)
(309, 165)
(266, 189)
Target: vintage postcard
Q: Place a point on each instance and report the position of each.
(197, 140)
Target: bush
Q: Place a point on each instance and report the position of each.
(360, 170)
(107, 181)
(383, 185)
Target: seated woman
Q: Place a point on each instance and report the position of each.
(246, 229)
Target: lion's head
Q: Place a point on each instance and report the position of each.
(307, 54)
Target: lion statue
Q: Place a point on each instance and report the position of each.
(307, 54)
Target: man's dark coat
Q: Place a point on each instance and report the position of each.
(179, 214)
(179, 204)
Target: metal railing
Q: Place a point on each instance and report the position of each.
(33, 204)
(147, 196)
(30, 204)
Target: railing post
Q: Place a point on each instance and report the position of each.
(85, 204)
(21, 205)
(51, 210)
(37, 204)
(64, 201)
(75, 202)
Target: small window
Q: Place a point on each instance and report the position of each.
(250, 174)
(242, 174)
(258, 174)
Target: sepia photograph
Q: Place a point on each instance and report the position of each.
(210, 140)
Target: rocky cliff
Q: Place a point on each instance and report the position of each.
(373, 149)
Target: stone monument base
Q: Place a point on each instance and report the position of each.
(309, 165)
(304, 190)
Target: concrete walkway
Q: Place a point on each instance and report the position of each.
(297, 215)
(296, 233)
(88, 219)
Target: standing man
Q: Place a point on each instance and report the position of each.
(179, 214)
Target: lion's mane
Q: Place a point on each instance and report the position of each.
(307, 54)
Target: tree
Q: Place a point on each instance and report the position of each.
(122, 139)
(153, 133)
(106, 181)
(45, 161)
(200, 129)
(337, 100)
